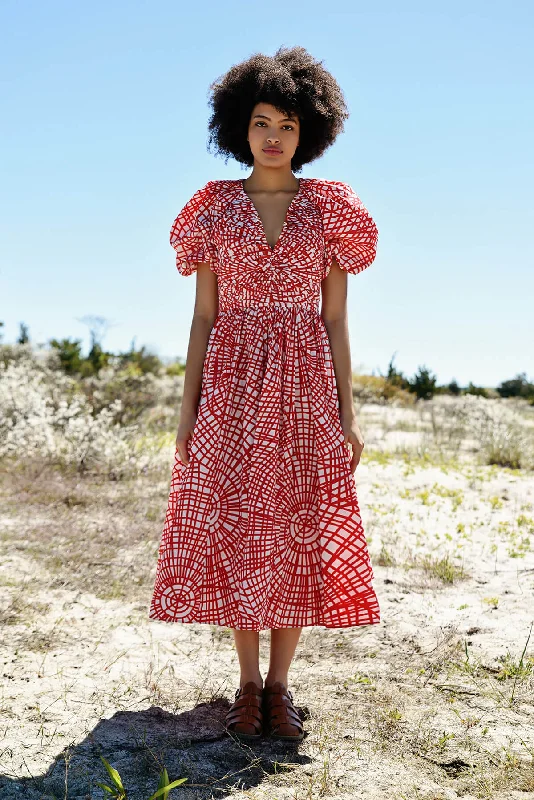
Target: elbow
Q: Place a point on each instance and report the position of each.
(335, 319)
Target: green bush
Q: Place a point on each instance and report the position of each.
(517, 387)
(176, 368)
(423, 384)
(396, 378)
(142, 359)
(478, 391)
(24, 334)
(70, 354)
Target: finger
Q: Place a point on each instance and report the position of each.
(350, 455)
(357, 454)
(181, 445)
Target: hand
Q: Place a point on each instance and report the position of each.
(353, 436)
(183, 437)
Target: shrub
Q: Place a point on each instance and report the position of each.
(478, 391)
(70, 354)
(502, 435)
(517, 387)
(396, 378)
(377, 389)
(143, 360)
(423, 384)
(43, 413)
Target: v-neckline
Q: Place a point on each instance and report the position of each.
(258, 218)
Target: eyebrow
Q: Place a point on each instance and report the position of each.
(286, 119)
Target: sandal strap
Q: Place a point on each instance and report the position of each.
(247, 708)
(282, 713)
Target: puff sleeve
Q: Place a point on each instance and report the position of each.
(191, 234)
(350, 232)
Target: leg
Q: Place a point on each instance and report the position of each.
(282, 718)
(283, 645)
(245, 715)
(247, 644)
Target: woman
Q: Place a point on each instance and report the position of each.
(263, 528)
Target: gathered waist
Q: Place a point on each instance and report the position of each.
(273, 309)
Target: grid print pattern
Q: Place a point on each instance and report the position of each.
(263, 527)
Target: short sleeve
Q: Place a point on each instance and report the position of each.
(350, 232)
(191, 234)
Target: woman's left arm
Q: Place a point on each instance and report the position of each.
(334, 314)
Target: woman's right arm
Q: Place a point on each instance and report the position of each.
(204, 315)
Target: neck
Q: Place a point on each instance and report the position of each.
(270, 179)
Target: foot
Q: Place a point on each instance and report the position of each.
(245, 715)
(282, 718)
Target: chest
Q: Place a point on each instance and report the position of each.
(271, 214)
(289, 231)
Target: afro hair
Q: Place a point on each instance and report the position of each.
(294, 83)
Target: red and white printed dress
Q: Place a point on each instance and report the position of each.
(263, 527)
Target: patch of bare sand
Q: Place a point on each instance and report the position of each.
(435, 702)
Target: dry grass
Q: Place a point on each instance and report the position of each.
(436, 702)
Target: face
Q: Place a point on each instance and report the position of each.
(273, 135)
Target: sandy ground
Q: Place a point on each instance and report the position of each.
(434, 702)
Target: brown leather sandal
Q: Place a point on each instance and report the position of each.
(283, 720)
(245, 715)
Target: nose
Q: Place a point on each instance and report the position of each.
(273, 139)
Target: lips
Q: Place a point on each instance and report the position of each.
(271, 150)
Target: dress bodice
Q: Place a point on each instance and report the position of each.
(221, 226)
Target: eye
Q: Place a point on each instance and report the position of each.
(262, 124)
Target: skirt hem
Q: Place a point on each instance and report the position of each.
(372, 619)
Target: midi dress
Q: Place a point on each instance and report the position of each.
(263, 527)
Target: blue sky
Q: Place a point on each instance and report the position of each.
(104, 126)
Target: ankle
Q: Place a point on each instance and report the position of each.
(272, 677)
(257, 678)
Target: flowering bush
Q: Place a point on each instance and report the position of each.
(43, 413)
(137, 393)
(501, 431)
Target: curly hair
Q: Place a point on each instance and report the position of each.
(294, 83)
